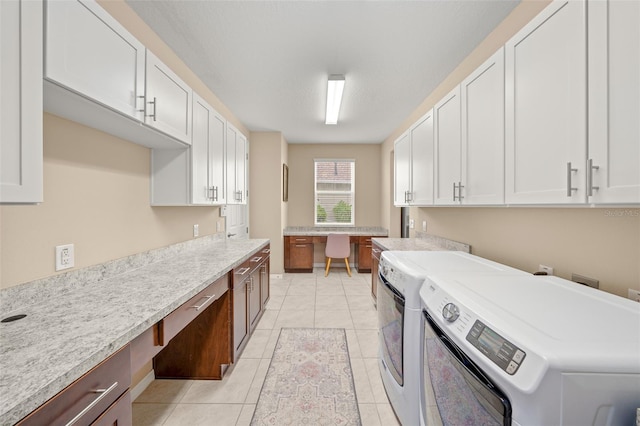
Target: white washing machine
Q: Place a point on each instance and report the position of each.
(400, 321)
(528, 350)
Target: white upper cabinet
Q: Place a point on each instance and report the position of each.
(613, 168)
(194, 176)
(447, 151)
(545, 153)
(20, 101)
(402, 170)
(236, 166)
(91, 53)
(422, 161)
(483, 133)
(207, 154)
(95, 73)
(167, 100)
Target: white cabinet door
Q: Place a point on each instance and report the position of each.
(167, 100)
(236, 154)
(614, 101)
(201, 155)
(90, 53)
(545, 63)
(217, 130)
(447, 149)
(483, 133)
(422, 161)
(402, 170)
(20, 101)
(207, 154)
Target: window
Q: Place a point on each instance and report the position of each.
(334, 192)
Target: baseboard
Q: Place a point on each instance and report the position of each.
(275, 276)
(137, 390)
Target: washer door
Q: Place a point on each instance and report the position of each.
(391, 326)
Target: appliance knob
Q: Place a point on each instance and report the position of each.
(450, 312)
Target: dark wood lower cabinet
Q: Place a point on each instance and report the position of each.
(202, 348)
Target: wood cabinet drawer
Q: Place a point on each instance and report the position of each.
(178, 319)
(242, 272)
(364, 240)
(89, 396)
(300, 240)
(376, 251)
(145, 347)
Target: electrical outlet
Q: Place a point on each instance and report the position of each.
(218, 226)
(424, 226)
(545, 268)
(634, 295)
(65, 257)
(196, 230)
(411, 223)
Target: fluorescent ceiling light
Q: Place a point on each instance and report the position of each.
(335, 87)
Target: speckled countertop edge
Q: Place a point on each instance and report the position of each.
(66, 335)
(326, 230)
(424, 242)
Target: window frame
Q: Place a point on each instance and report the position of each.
(351, 192)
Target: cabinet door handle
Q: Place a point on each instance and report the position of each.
(266, 251)
(208, 298)
(144, 103)
(590, 169)
(256, 259)
(454, 191)
(215, 193)
(244, 271)
(570, 171)
(209, 190)
(155, 108)
(301, 245)
(103, 393)
(375, 250)
(460, 186)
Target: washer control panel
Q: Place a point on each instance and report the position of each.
(503, 353)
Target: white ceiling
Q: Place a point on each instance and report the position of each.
(268, 61)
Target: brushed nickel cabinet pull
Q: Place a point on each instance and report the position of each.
(590, 169)
(208, 298)
(103, 393)
(244, 271)
(570, 171)
(155, 108)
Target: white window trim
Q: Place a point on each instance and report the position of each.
(353, 192)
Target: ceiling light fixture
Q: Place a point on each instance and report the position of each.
(335, 86)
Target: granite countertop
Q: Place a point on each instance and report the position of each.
(67, 333)
(424, 243)
(322, 231)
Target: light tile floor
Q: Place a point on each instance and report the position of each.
(297, 300)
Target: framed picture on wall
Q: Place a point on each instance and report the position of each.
(285, 182)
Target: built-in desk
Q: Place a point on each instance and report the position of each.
(300, 243)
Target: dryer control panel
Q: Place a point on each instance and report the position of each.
(503, 353)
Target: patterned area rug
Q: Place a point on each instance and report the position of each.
(309, 381)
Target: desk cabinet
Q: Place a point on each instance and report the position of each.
(298, 254)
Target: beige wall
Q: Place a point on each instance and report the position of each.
(301, 177)
(601, 243)
(96, 189)
(267, 210)
(96, 196)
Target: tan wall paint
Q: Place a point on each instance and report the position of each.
(96, 196)
(266, 205)
(301, 177)
(601, 243)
